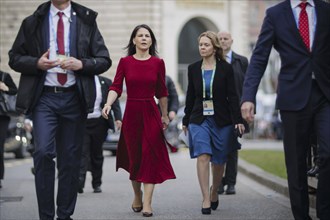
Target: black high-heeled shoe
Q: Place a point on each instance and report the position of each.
(206, 211)
(138, 208)
(214, 205)
(146, 214)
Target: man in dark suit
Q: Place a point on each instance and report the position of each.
(95, 134)
(172, 108)
(239, 64)
(300, 32)
(58, 50)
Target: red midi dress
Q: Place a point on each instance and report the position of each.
(142, 147)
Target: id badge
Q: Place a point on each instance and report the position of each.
(208, 108)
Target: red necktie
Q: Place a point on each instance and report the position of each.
(61, 77)
(303, 24)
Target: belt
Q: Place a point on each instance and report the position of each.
(57, 89)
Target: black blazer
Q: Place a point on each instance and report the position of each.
(32, 40)
(115, 108)
(225, 98)
(239, 64)
(279, 29)
(172, 98)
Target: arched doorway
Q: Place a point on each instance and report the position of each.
(188, 45)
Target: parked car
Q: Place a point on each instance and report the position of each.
(18, 138)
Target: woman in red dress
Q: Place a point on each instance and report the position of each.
(142, 146)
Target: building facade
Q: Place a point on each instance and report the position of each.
(176, 23)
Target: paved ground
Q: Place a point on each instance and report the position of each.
(174, 199)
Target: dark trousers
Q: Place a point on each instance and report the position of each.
(58, 126)
(298, 127)
(231, 169)
(4, 122)
(92, 154)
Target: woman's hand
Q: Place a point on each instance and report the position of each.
(165, 121)
(106, 110)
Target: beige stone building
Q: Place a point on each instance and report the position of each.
(176, 23)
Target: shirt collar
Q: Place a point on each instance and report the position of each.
(229, 55)
(54, 11)
(295, 3)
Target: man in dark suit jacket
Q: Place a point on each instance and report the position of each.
(239, 64)
(58, 50)
(303, 93)
(8, 86)
(172, 107)
(95, 134)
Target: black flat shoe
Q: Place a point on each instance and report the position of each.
(214, 205)
(137, 209)
(80, 190)
(206, 211)
(146, 214)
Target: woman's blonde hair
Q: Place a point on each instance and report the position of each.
(215, 42)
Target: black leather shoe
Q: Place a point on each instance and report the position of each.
(97, 189)
(146, 214)
(230, 190)
(214, 205)
(206, 211)
(221, 189)
(80, 190)
(313, 171)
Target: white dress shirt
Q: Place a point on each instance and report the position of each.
(97, 110)
(51, 78)
(310, 9)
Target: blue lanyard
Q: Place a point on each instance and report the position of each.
(66, 46)
(211, 83)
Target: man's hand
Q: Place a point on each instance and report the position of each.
(71, 63)
(118, 124)
(165, 121)
(247, 110)
(44, 63)
(3, 87)
(171, 115)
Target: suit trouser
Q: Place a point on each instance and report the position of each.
(231, 169)
(298, 127)
(58, 126)
(92, 154)
(4, 122)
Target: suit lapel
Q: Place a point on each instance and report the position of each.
(73, 34)
(317, 27)
(233, 57)
(200, 75)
